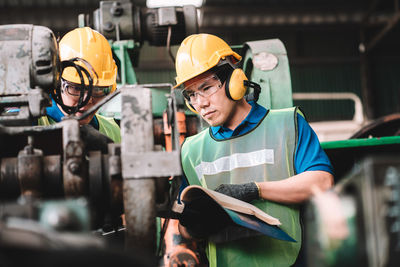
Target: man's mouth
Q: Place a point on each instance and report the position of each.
(206, 114)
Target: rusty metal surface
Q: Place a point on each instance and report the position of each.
(139, 194)
(52, 177)
(159, 136)
(114, 179)
(117, 21)
(29, 70)
(37, 102)
(30, 170)
(15, 40)
(97, 194)
(114, 162)
(179, 251)
(116, 189)
(30, 105)
(29, 129)
(30, 59)
(73, 160)
(95, 177)
(136, 121)
(9, 185)
(151, 164)
(139, 203)
(29, 173)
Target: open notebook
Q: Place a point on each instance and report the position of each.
(244, 215)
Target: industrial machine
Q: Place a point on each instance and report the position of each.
(69, 179)
(357, 223)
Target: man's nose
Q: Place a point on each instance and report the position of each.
(202, 100)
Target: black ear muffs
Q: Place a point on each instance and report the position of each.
(235, 88)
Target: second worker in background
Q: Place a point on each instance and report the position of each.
(94, 54)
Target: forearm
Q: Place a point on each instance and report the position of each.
(296, 189)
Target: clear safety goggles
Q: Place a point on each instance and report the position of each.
(74, 89)
(204, 87)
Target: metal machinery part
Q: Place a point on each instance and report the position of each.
(127, 27)
(29, 69)
(357, 224)
(122, 21)
(58, 161)
(266, 63)
(126, 174)
(141, 165)
(388, 125)
(179, 251)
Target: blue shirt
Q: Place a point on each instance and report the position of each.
(56, 114)
(309, 155)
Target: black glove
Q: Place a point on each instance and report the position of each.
(203, 217)
(246, 192)
(93, 139)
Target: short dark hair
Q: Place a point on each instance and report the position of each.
(222, 71)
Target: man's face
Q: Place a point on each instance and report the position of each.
(207, 95)
(70, 97)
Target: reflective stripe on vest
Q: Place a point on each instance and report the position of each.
(234, 161)
(264, 154)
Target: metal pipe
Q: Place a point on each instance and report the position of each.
(358, 108)
(97, 105)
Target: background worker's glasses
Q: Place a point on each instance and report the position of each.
(74, 89)
(204, 87)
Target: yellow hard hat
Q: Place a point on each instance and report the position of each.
(92, 47)
(198, 53)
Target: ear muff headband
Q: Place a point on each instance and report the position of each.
(235, 88)
(190, 107)
(82, 100)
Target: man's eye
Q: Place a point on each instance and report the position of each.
(191, 94)
(205, 88)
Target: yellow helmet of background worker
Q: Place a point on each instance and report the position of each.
(94, 48)
(199, 53)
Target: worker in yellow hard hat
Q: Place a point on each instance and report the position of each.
(92, 53)
(270, 158)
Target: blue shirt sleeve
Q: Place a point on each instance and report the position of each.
(183, 185)
(309, 155)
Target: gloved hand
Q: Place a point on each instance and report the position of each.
(203, 217)
(93, 139)
(246, 192)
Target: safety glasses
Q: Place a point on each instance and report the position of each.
(74, 89)
(204, 87)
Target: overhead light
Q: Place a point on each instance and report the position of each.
(164, 3)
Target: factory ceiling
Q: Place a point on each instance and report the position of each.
(216, 15)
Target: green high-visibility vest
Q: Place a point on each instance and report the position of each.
(264, 154)
(107, 126)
